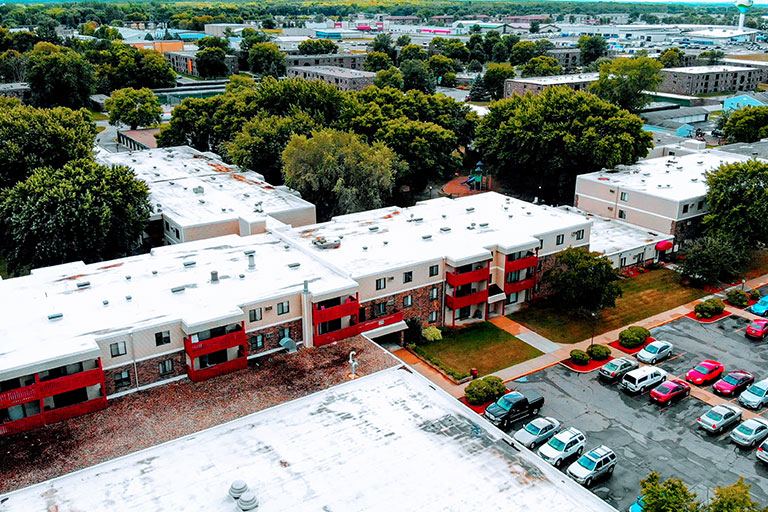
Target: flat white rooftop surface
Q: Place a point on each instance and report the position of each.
(699, 70)
(381, 443)
(559, 79)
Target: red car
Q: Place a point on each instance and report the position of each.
(757, 329)
(734, 383)
(670, 391)
(704, 372)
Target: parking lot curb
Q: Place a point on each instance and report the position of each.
(550, 365)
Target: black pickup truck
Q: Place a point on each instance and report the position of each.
(514, 406)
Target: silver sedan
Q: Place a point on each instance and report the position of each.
(719, 418)
(537, 431)
(750, 432)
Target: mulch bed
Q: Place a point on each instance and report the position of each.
(164, 413)
(479, 409)
(617, 345)
(592, 365)
(633, 272)
(692, 315)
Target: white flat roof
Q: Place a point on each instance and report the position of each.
(720, 33)
(700, 70)
(336, 71)
(559, 79)
(388, 440)
(173, 175)
(611, 236)
(676, 178)
(30, 338)
(390, 238)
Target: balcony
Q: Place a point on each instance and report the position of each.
(519, 285)
(530, 261)
(241, 363)
(481, 274)
(467, 300)
(350, 308)
(341, 334)
(73, 411)
(381, 322)
(70, 382)
(201, 348)
(18, 396)
(14, 427)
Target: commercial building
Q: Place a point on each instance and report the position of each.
(223, 29)
(750, 99)
(664, 195)
(339, 449)
(195, 196)
(344, 79)
(186, 62)
(710, 79)
(340, 60)
(161, 46)
(676, 120)
(521, 86)
(568, 58)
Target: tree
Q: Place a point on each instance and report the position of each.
(338, 172)
(11, 66)
(713, 56)
(153, 71)
(403, 40)
(734, 498)
(266, 59)
(439, 65)
(668, 496)
(416, 75)
(522, 52)
(719, 257)
(250, 37)
(412, 52)
(583, 281)
(543, 142)
(592, 48)
(672, 57)
(317, 47)
(535, 27)
(82, 211)
(456, 49)
(213, 42)
(58, 77)
(192, 124)
(475, 66)
(377, 61)
(737, 199)
(622, 82)
(33, 138)
(499, 52)
(383, 43)
(478, 91)
(495, 75)
(748, 124)
(133, 107)
(541, 66)
(391, 77)
(211, 62)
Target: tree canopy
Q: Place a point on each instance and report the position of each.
(58, 76)
(714, 258)
(672, 57)
(622, 82)
(377, 61)
(582, 281)
(748, 124)
(495, 76)
(211, 62)
(317, 47)
(266, 59)
(541, 66)
(672, 495)
(592, 48)
(417, 76)
(134, 107)
(390, 77)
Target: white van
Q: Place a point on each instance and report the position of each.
(643, 379)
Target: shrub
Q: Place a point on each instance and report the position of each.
(432, 334)
(413, 332)
(579, 357)
(738, 298)
(478, 392)
(599, 352)
(496, 385)
(754, 295)
(633, 336)
(654, 266)
(709, 308)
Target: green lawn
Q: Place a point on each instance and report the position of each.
(644, 295)
(99, 116)
(483, 346)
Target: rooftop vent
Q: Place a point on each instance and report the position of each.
(242, 276)
(198, 190)
(214, 276)
(418, 219)
(483, 224)
(177, 289)
(128, 298)
(251, 262)
(373, 228)
(154, 272)
(385, 242)
(237, 489)
(694, 179)
(324, 243)
(249, 251)
(287, 247)
(294, 265)
(189, 264)
(127, 278)
(470, 209)
(55, 316)
(445, 229)
(247, 501)
(365, 247)
(202, 201)
(105, 302)
(83, 284)
(426, 237)
(528, 213)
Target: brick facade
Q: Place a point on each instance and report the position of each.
(271, 336)
(687, 229)
(148, 372)
(421, 308)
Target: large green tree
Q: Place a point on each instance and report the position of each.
(266, 59)
(390, 77)
(748, 124)
(134, 107)
(11, 66)
(213, 42)
(622, 81)
(672, 57)
(377, 61)
(541, 66)
(522, 52)
(671, 495)
(249, 37)
(416, 75)
(339, 172)
(495, 76)
(412, 52)
(211, 62)
(717, 257)
(592, 48)
(582, 281)
(58, 76)
(541, 143)
(317, 47)
(82, 211)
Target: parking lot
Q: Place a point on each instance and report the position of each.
(649, 438)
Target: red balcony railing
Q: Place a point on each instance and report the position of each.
(519, 285)
(530, 261)
(480, 274)
(70, 382)
(381, 322)
(13, 427)
(18, 396)
(350, 308)
(467, 300)
(241, 363)
(64, 413)
(341, 334)
(200, 348)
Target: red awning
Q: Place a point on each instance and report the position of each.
(664, 245)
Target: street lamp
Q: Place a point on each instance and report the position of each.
(743, 282)
(594, 321)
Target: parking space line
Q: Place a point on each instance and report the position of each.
(681, 354)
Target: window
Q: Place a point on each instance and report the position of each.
(433, 316)
(624, 196)
(407, 277)
(122, 379)
(433, 294)
(176, 232)
(433, 270)
(283, 332)
(580, 234)
(512, 298)
(167, 226)
(560, 239)
(622, 214)
(513, 277)
(283, 308)
(380, 308)
(408, 301)
(254, 315)
(700, 206)
(165, 367)
(117, 349)
(162, 338)
(381, 283)
(257, 342)
(685, 208)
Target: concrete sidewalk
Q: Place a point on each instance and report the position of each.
(525, 334)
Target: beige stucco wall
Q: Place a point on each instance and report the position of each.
(368, 291)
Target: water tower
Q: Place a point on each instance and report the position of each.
(743, 6)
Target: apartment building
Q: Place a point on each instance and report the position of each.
(521, 86)
(340, 60)
(344, 79)
(568, 58)
(710, 79)
(185, 62)
(196, 195)
(665, 194)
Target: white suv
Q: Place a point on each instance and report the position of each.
(593, 465)
(566, 443)
(643, 378)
